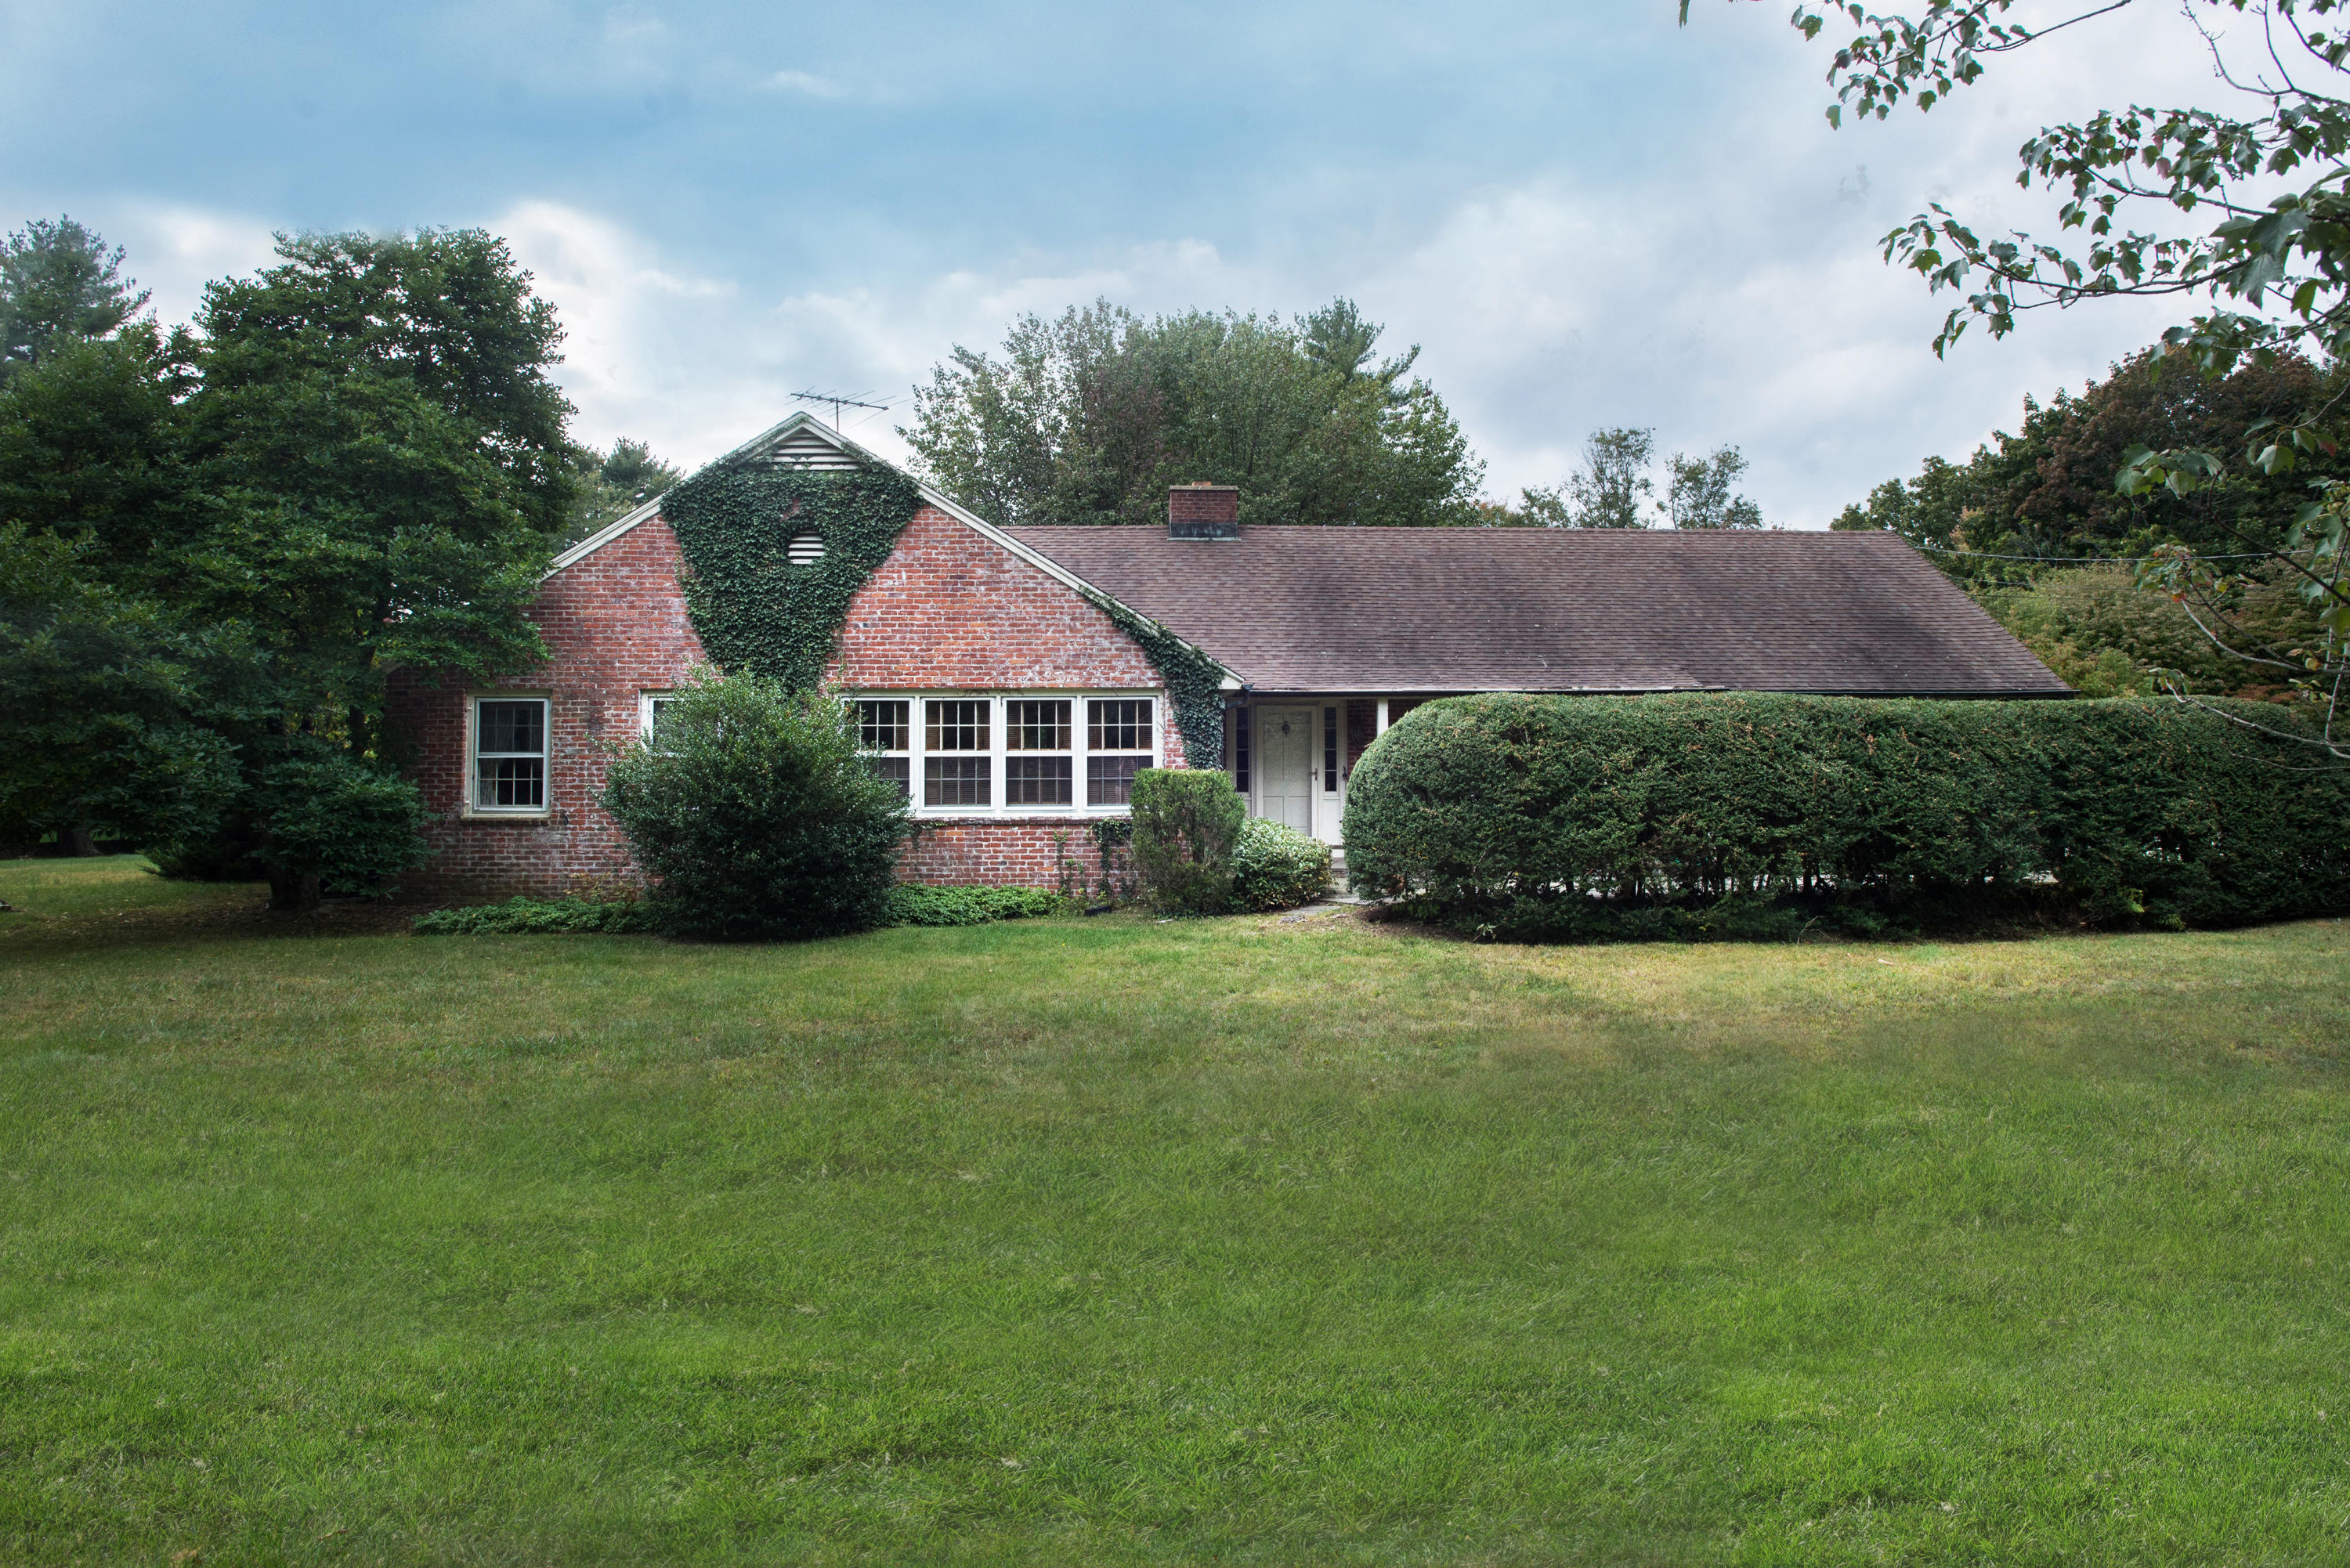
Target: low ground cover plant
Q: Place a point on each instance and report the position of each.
(919, 905)
(1275, 867)
(905, 906)
(1186, 824)
(756, 817)
(1742, 815)
(523, 916)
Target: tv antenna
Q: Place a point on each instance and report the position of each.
(838, 402)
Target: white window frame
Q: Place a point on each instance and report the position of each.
(474, 805)
(645, 700)
(998, 711)
(910, 750)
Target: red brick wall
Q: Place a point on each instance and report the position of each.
(949, 610)
(615, 624)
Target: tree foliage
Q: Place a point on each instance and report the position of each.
(2272, 271)
(1614, 486)
(609, 485)
(352, 462)
(1187, 822)
(58, 286)
(1092, 417)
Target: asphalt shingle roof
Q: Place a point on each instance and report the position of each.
(1332, 610)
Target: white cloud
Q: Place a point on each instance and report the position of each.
(174, 251)
(808, 83)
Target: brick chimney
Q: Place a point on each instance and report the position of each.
(1204, 511)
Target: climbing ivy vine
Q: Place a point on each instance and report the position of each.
(755, 612)
(1195, 682)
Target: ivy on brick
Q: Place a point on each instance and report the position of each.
(1195, 682)
(756, 612)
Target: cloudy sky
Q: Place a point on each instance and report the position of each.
(1586, 216)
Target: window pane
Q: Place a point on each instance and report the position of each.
(656, 708)
(1036, 781)
(512, 782)
(955, 726)
(954, 780)
(1240, 750)
(896, 770)
(1036, 726)
(1329, 751)
(511, 727)
(1109, 781)
(1119, 725)
(883, 726)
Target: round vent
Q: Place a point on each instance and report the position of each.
(805, 550)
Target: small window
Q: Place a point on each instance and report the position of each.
(656, 705)
(1240, 750)
(510, 754)
(884, 730)
(1329, 751)
(804, 550)
(949, 725)
(1114, 725)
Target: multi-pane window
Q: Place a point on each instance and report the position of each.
(1036, 761)
(1329, 751)
(510, 754)
(1114, 725)
(1240, 749)
(884, 730)
(951, 726)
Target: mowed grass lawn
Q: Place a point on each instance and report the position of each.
(1086, 1240)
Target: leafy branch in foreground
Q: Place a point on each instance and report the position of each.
(2275, 267)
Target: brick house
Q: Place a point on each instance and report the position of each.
(992, 674)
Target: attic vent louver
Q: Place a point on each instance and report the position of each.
(804, 549)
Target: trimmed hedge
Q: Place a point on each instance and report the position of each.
(1275, 867)
(1751, 815)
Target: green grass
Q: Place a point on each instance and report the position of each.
(1247, 1240)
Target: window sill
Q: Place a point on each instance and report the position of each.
(474, 814)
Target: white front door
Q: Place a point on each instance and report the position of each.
(1284, 745)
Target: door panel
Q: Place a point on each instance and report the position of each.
(1285, 743)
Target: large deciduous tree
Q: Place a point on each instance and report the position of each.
(1091, 417)
(352, 463)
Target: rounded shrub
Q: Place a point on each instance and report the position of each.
(1275, 867)
(757, 816)
(1753, 815)
(1186, 822)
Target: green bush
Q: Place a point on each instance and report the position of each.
(1750, 815)
(534, 915)
(910, 905)
(1275, 867)
(1186, 822)
(757, 816)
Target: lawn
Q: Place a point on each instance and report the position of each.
(1081, 1240)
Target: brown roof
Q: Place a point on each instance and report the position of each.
(1558, 609)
